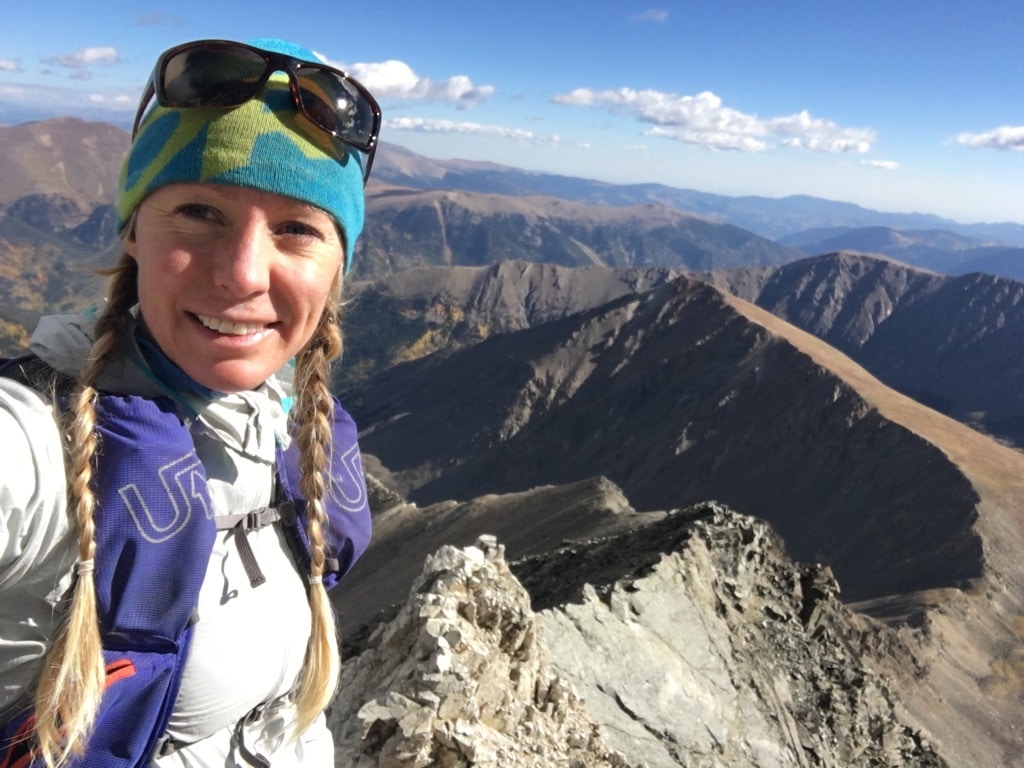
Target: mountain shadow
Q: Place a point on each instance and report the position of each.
(677, 397)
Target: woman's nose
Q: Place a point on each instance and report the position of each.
(243, 260)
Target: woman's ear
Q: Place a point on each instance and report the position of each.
(128, 238)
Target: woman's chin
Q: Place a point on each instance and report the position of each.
(232, 376)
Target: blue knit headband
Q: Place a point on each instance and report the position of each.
(263, 144)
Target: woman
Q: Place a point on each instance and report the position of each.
(170, 608)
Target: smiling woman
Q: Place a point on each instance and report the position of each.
(202, 481)
(232, 281)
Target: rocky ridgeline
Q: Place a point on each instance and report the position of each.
(460, 678)
(691, 641)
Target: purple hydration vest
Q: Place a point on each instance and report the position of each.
(155, 528)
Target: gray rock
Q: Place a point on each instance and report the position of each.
(720, 652)
(727, 654)
(460, 678)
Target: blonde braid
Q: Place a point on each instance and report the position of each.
(72, 682)
(314, 413)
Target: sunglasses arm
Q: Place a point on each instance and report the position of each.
(148, 94)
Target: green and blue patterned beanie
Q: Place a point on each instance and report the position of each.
(263, 144)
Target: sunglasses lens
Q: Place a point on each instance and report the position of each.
(336, 105)
(217, 73)
(216, 76)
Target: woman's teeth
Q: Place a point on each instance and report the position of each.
(229, 328)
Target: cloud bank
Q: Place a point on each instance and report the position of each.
(703, 120)
(1007, 137)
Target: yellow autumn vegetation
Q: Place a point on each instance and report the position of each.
(431, 341)
(13, 338)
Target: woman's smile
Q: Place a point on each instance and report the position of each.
(230, 327)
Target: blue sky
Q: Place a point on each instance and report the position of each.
(901, 105)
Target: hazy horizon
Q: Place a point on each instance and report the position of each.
(896, 107)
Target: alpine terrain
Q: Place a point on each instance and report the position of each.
(659, 478)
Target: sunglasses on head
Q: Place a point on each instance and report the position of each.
(221, 73)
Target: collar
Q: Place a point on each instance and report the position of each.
(250, 422)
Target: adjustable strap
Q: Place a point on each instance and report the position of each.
(240, 524)
(254, 759)
(165, 746)
(250, 521)
(283, 511)
(252, 568)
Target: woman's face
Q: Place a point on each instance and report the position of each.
(232, 281)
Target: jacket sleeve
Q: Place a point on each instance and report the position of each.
(35, 538)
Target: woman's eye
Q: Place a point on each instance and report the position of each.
(197, 211)
(299, 228)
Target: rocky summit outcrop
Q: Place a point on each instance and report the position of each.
(460, 678)
(691, 641)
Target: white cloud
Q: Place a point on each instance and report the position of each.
(806, 132)
(656, 15)
(70, 100)
(1005, 137)
(424, 125)
(85, 57)
(703, 120)
(9, 65)
(885, 165)
(117, 102)
(710, 139)
(396, 80)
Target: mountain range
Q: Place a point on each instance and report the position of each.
(772, 218)
(677, 395)
(924, 334)
(934, 249)
(674, 392)
(731, 519)
(468, 213)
